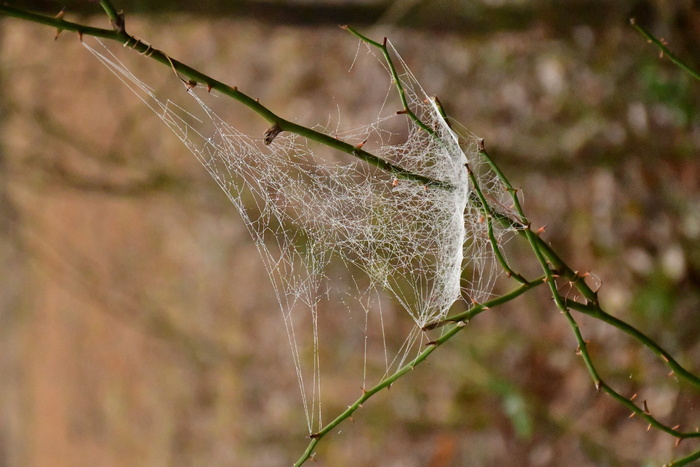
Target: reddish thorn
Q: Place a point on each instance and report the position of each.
(646, 407)
(678, 441)
(632, 415)
(208, 87)
(541, 230)
(80, 36)
(385, 41)
(676, 427)
(359, 146)
(343, 26)
(395, 183)
(649, 427)
(402, 112)
(634, 396)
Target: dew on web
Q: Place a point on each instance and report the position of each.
(344, 240)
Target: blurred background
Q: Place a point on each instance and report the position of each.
(137, 325)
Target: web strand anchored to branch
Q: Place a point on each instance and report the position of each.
(341, 234)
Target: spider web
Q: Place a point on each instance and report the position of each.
(341, 238)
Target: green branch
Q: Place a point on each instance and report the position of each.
(431, 346)
(196, 77)
(664, 50)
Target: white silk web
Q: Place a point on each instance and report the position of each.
(343, 238)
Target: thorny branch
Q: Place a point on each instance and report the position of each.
(554, 268)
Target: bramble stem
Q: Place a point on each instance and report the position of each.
(553, 266)
(119, 34)
(449, 334)
(664, 50)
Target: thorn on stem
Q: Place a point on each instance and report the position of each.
(633, 21)
(359, 146)
(60, 17)
(598, 385)
(634, 396)
(676, 427)
(481, 144)
(646, 407)
(678, 442)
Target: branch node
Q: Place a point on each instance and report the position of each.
(119, 23)
(271, 134)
